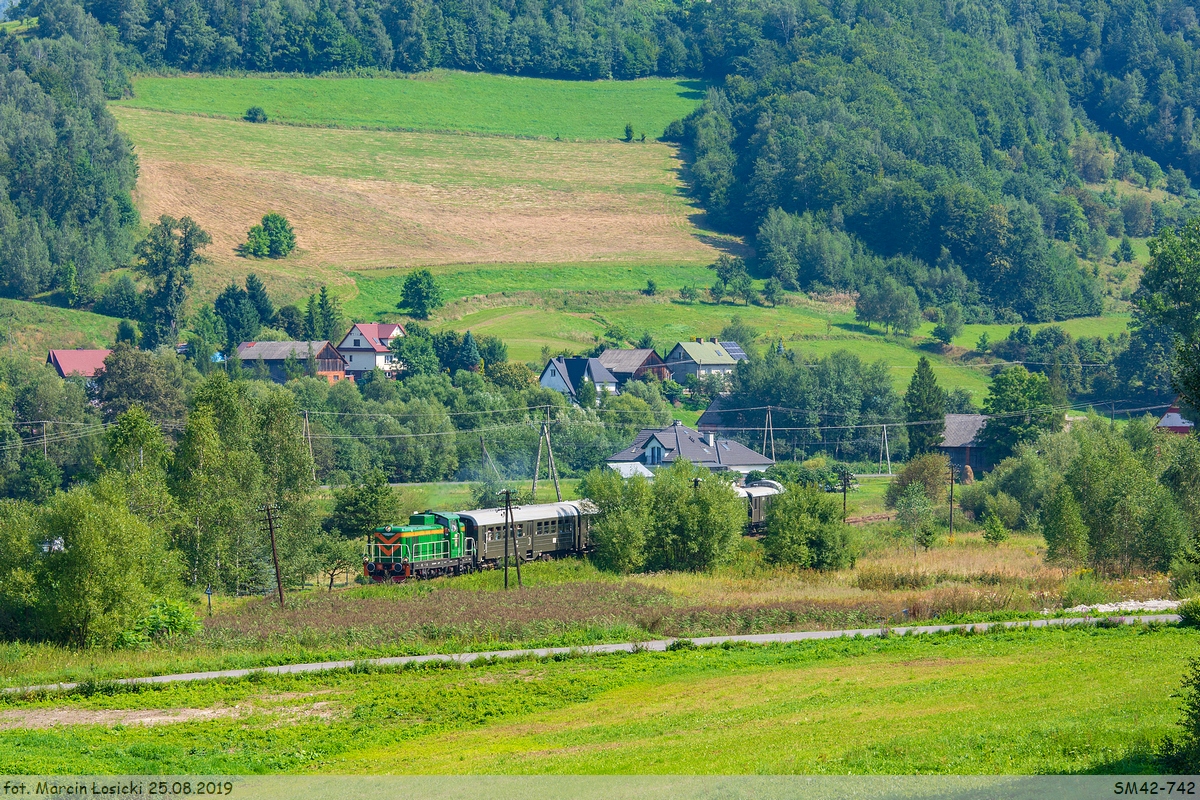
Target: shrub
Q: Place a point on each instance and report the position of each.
(120, 298)
(1181, 753)
(804, 529)
(1189, 612)
(994, 530)
(166, 619)
(931, 471)
(1083, 590)
(915, 513)
(274, 238)
(1062, 525)
(1004, 508)
(255, 114)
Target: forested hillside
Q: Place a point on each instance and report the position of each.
(65, 211)
(961, 148)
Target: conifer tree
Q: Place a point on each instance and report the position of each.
(924, 402)
(469, 357)
(261, 301)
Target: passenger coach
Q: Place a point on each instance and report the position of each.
(542, 531)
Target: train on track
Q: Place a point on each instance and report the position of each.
(435, 543)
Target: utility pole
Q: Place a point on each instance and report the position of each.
(45, 449)
(951, 501)
(308, 435)
(887, 449)
(488, 459)
(553, 466)
(537, 465)
(510, 532)
(845, 488)
(269, 509)
(769, 430)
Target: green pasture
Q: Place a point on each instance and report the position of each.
(1028, 701)
(458, 496)
(34, 328)
(440, 100)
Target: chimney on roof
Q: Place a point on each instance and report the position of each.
(676, 422)
(713, 340)
(699, 340)
(712, 440)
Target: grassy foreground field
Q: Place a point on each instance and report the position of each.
(440, 100)
(1045, 701)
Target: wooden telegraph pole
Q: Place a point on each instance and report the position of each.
(951, 501)
(845, 488)
(510, 533)
(269, 509)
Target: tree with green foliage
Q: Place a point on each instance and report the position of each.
(914, 511)
(1020, 405)
(697, 519)
(689, 294)
(255, 114)
(37, 479)
(362, 507)
(257, 244)
(290, 320)
(1180, 752)
(925, 410)
(469, 357)
(950, 323)
(585, 394)
(166, 256)
(127, 333)
(931, 471)
(1169, 295)
(415, 352)
(256, 291)
(1062, 525)
(994, 531)
(618, 532)
(151, 380)
(718, 291)
(281, 239)
(1124, 251)
(120, 298)
(103, 568)
(420, 294)
(329, 317)
(773, 292)
(805, 529)
(236, 310)
(629, 131)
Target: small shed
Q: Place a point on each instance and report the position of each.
(633, 364)
(960, 442)
(331, 365)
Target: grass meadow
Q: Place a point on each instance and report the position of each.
(545, 243)
(437, 101)
(1024, 701)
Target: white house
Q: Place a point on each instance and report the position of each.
(566, 375)
(366, 347)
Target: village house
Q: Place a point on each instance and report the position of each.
(367, 347)
(634, 364)
(85, 363)
(274, 355)
(702, 358)
(566, 374)
(657, 447)
(1174, 422)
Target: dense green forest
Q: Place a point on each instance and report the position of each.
(65, 210)
(950, 145)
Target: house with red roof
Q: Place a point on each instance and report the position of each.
(1174, 422)
(367, 346)
(85, 363)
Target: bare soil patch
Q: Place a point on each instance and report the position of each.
(41, 718)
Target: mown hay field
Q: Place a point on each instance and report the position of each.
(440, 100)
(362, 200)
(1026, 701)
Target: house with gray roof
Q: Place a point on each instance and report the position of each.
(634, 364)
(331, 365)
(657, 447)
(566, 374)
(701, 358)
(960, 442)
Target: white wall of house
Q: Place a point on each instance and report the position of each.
(552, 378)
